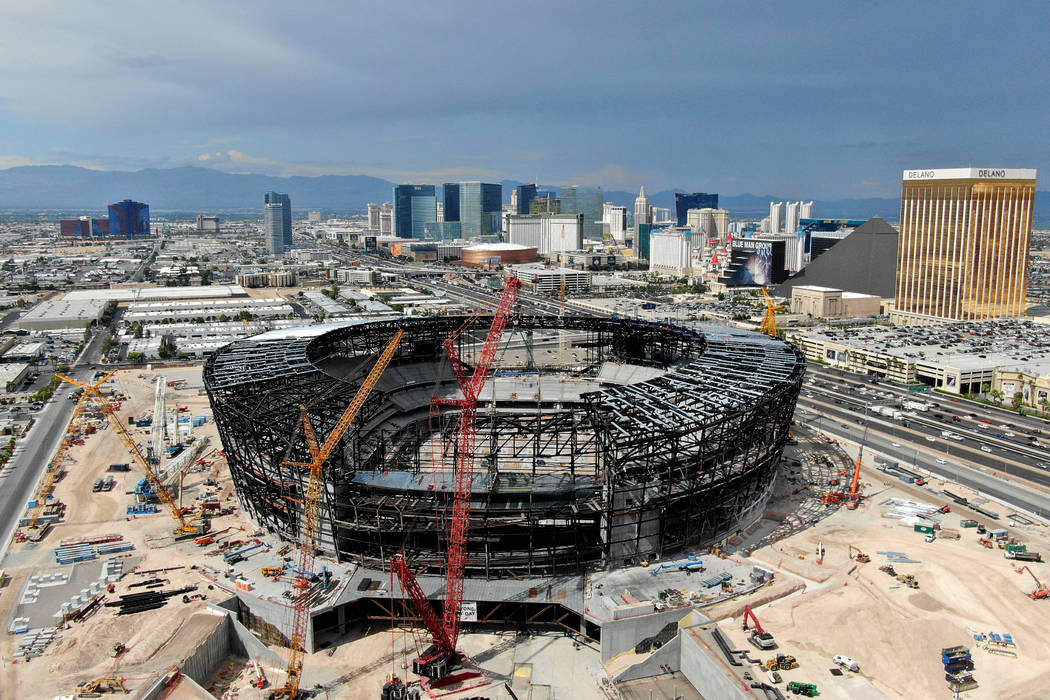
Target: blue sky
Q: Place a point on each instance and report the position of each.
(814, 100)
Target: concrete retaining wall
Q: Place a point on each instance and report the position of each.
(669, 654)
(707, 669)
(619, 636)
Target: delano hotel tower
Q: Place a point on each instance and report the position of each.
(964, 240)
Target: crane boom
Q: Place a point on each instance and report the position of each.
(446, 634)
(769, 323)
(312, 514)
(162, 492)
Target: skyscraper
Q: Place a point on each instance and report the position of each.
(616, 218)
(273, 228)
(129, 219)
(641, 208)
(587, 201)
(964, 243)
(373, 216)
(450, 195)
(414, 206)
(776, 217)
(525, 195)
(697, 200)
(480, 208)
(791, 217)
(286, 216)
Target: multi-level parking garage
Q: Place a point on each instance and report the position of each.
(600, 442)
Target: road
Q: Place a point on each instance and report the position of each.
(19, 477)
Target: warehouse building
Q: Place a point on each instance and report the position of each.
(63, 314)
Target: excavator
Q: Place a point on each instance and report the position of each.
(858, 556)
(759, 637)
(1041, 592)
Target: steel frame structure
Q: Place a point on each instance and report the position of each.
(620, 473)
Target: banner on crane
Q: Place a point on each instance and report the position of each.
(468, 612)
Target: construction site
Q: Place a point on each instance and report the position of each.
(502, 506)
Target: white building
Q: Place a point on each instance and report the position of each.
(671, 252)
(784, 216)
(641, 208)
(549, 280)
(373, 216)
(776, 217)
(546, 233)
(616, 219)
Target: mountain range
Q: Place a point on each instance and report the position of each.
(192, 189)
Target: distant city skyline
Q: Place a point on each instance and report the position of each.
(829, 102)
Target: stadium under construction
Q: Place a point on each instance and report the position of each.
(601, 444)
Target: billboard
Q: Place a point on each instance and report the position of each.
(370, 242)
(756, 262)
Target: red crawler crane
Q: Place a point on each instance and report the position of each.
(439, 659)
(854, 495)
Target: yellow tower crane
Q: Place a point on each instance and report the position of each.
(195, 525)
(312, 516)
(769, 323)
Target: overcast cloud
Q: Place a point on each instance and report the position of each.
(815, 100)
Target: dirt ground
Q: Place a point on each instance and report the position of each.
(896, 633)
(156, 639)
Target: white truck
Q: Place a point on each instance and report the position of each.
(916, 406)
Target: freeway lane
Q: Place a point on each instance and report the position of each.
(1015, 494)
(915, 437)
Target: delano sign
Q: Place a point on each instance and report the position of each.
(972, 174)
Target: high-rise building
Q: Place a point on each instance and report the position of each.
(713, 223)
(480, 208)
(414, 206)
(964, 243)
(524, 194)
(129, 219)
(373, 216)
(386, 219)
(671, 251)
(450, 195)
(273, 232)
(616, 219)
(791, 217)
(547, 233)
(84, 227)
(805, 210)
(776, 217)
(207, 224)
(642, 239)
(697, 200)
(545, 203)
(286, 215)
(587, 201)
(642, 215)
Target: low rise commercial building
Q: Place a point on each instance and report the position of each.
(957, 357)
(213, 310)
(826, 302)
(549, 280)
(62, 314)
(12, 374)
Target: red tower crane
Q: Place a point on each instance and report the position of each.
(854, 495)
(438, 660)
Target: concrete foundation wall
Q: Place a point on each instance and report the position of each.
(619, 636)
(707, 669)
(669, 654)
(210, 654)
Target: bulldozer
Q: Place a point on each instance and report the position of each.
(888, 569)
(783, 662)
(102, 685)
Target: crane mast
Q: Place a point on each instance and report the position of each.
(445, 632)
(312, 515)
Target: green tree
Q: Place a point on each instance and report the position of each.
(997, 396)
(1018, 401)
